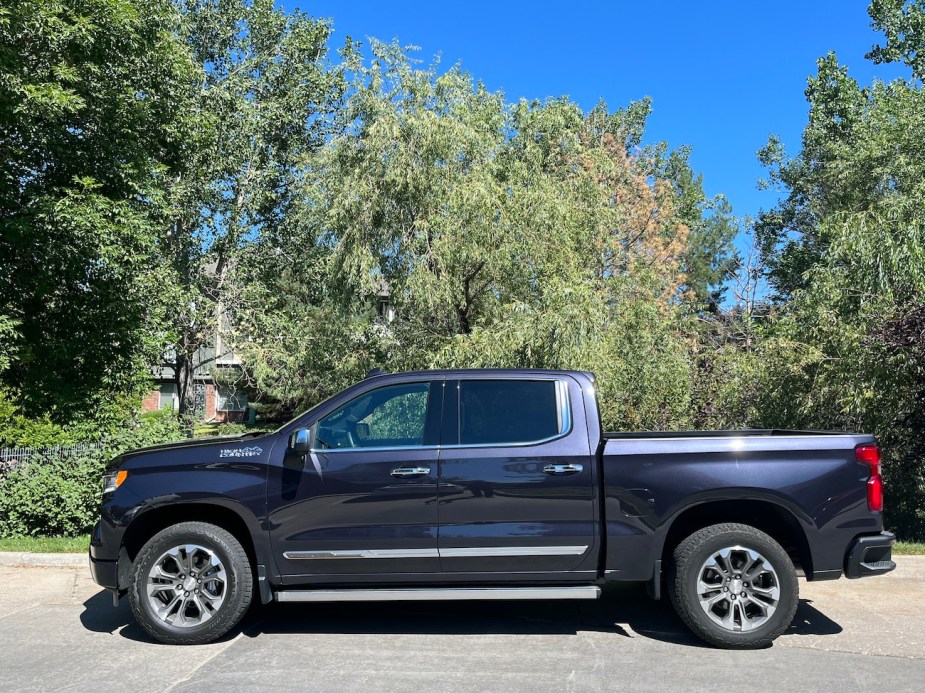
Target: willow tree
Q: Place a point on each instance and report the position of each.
(527, 234)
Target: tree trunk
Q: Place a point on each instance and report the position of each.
(184, 369)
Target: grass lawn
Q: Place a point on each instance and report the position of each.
(909, 548)
(46, 544)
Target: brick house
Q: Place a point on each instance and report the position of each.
(215, 397)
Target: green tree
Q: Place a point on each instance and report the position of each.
(903, 23)
(829, 174)
(846, 248)
(87, 119)
(262, 99)
(505, 235)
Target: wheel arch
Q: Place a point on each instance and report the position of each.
(155, 519)
(772, 518)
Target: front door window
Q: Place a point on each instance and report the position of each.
(389, 417)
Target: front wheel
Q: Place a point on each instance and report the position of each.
(191, 583)
(733, 586)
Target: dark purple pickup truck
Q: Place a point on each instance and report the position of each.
(486, 484)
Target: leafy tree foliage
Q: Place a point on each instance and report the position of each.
(261, 100)
(903, 23)
(504, 235)
(86, 118)
(846, 247)
(147, 143)
(7, 341)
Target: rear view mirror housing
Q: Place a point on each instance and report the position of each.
(300, 442)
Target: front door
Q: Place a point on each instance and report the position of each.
(516, 487)
(362, 505)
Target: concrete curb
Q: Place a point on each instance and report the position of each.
(57, 560)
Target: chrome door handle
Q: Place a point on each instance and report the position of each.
(410, 471)
(562, 468)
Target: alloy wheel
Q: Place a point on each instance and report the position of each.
(738, 588)
(186, 586)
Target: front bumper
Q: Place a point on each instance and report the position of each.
(105, 573)
(870, 555)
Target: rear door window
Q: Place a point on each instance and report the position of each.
(497, 412)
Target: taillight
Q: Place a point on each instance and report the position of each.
(870, 455)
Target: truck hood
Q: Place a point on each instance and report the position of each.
(118, 460)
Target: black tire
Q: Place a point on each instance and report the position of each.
(236, 587)
(690, 558)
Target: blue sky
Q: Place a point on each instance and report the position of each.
(722, 75)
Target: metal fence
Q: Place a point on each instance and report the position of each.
(10, 458)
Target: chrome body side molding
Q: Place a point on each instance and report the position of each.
(463, 552)
(468, 552)
(361, 553)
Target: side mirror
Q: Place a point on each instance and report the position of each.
(301, 441)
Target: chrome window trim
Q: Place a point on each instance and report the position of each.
(563, 406)
(543, 441)
(458, 552)
(327, 451)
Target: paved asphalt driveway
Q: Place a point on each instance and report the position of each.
(58, 631)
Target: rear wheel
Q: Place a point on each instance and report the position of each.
(191, 583)
(733, 586)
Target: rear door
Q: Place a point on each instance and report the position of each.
(517, 481)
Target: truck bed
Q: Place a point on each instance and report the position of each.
(754, 441)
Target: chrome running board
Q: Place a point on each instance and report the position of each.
(440, 593)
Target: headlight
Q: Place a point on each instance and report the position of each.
(113, 480)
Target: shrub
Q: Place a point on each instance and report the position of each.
(227, 428)
(59, 494)
(161, 426)
(17, 430)
(52, 496)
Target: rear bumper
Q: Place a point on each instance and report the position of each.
(870, 555)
